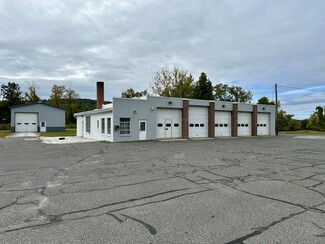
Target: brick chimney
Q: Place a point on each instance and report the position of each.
(100, 94)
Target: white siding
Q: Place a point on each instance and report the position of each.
(95, 131)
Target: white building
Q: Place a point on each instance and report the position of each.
(152, 118)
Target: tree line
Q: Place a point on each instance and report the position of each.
(175, 82)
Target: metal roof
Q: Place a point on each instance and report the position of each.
(30, 104)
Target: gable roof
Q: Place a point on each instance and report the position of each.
(40, 103)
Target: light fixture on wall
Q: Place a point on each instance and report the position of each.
(134, 111)
(170, 102)
(263, 108)
(223, 105)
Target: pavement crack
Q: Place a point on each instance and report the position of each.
(115, 217)
(126, 201)
(262, 229)
(313, 208)
(150, 228)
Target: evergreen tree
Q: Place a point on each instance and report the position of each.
(203, 88)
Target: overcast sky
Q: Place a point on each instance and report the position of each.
(249, 43)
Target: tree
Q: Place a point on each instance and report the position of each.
(223, 92)
(203, 89)
(11, 95)
(265, 100)
(57, 95)
(31, 96)
(320, 115)
(72, 105)
(129, 93)
(172, 82)
(286, 121)
(316, 121)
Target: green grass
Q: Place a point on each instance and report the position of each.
(303, 132)
(67, 132)
(4, 133)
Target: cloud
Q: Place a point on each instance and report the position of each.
(253, 44)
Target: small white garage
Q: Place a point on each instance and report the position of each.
(37, 117)
(263, 124)
(244, 124)
(198, 122)
(169, 123)
(222, 124)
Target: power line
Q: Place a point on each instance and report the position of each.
(299, 88)
(268, 91)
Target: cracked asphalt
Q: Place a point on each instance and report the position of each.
(246, 190)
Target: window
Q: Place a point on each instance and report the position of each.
(238, 125)
(242, 125)
(103, 126)
(26, 123)
(191, 125)
(18, 123)
(109, 126)
(264, 125)
(88, 124)
(197, 125)
(216, 125)
(258, 125)
(225, 125)
(159, 125)
(176, 125)
(35, 124)
(246, 125)
(142, 126)
(168, 125)
(97, 124)
(125, 126)
(221, 125)
(201, 125)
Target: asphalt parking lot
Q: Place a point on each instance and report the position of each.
(247, 190)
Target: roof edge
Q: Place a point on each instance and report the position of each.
(28, 104)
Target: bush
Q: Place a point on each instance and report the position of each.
(71, 126)
(4, 126)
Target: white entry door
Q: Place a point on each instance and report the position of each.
(142, 130)
(168, 128)
(43, 126)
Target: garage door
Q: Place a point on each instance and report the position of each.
(263, 124)
(26, 122)
(244, 124)
(222, 123)
(198, 122)
(169, 123)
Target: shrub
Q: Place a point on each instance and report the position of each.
(4, 126)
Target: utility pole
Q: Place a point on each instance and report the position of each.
(276, 109)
